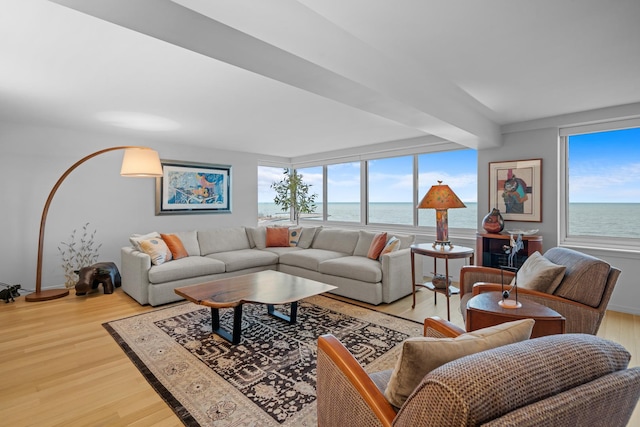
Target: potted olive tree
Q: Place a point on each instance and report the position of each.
(293, 195)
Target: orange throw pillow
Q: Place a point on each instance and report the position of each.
(377, 245)
(277, 237)
(175, 245)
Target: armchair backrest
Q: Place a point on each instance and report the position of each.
(587, 279)
(572, 377)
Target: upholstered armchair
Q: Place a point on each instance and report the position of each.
(558, 380)
(581, 296)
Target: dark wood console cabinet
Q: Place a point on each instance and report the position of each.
(490, 249)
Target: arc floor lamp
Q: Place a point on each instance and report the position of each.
(136, 162)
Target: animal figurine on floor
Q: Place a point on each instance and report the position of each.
(9, 293)
(105, 273)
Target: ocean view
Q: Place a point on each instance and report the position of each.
(585, 219)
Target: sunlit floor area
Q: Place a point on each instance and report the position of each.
(61, 368)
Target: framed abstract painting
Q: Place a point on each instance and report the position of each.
(515, 188)
(193, 188)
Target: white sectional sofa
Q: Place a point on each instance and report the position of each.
(330, 255)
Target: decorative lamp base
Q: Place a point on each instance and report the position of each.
(47, 295)
(509, 303)
(442, 244)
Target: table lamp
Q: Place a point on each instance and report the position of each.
(440, 197)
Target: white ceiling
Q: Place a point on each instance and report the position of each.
(293, 78)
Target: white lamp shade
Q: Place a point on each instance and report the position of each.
(141, 162)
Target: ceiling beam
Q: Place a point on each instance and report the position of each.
(359, 76)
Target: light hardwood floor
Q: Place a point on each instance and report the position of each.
(60, 367)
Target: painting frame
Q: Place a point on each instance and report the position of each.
(193, 188)
(515, 188)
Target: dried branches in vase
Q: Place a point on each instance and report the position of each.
(78, 254)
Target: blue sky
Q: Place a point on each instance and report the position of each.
(604, 167)
(391, 180)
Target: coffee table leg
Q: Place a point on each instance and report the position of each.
(291, 318)
(234, 337)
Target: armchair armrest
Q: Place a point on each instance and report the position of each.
(343, 387)
(440, 328)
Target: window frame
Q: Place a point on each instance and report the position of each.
(593, 242)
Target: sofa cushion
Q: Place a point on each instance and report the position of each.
(336, 240)
(280, 251)
(392, 245)
(539, 274)
(585, 277)
(245, 258)
(294, 236)
(277, 237)
(406, 240)
(185, 268)
(175, 245)
(222, 240)
(364, 243)
(353, 267)
(377, 245)
(258, 237)
(135, 239)
(157, 249)
(309, 259)
(421, 355)
(307, 236)
(189, 240)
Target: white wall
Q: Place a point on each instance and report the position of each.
(33, 158)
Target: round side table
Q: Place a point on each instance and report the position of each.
(445, 253)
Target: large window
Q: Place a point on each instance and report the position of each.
(268, 212)
(459, 170)
(390, 190)
(343, 192)
(313, 177)
(603, 183)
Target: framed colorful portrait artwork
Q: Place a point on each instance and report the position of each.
(515, 188)
(193, 188)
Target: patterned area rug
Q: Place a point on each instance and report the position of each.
(269, 378)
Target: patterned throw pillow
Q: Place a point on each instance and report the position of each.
(175, 245)
(294, 235)
(157, 249)
(393, 244)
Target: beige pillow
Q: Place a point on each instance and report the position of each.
(157, 249)
(135, 239)
(393, 244)
(306, 236)
(421, 355)
(540, 274)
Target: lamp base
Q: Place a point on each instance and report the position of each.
(47, 295)
(442, 244)
(509, 303)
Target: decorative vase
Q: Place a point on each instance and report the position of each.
(493, 222)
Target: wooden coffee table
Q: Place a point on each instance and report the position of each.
(266, 287)
(483, 311)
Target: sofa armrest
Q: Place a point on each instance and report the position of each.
(134, 271)
(396, 275)
(345, 390)
(471, 274)
(437, 327)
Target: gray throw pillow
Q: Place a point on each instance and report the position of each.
(540, 274)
